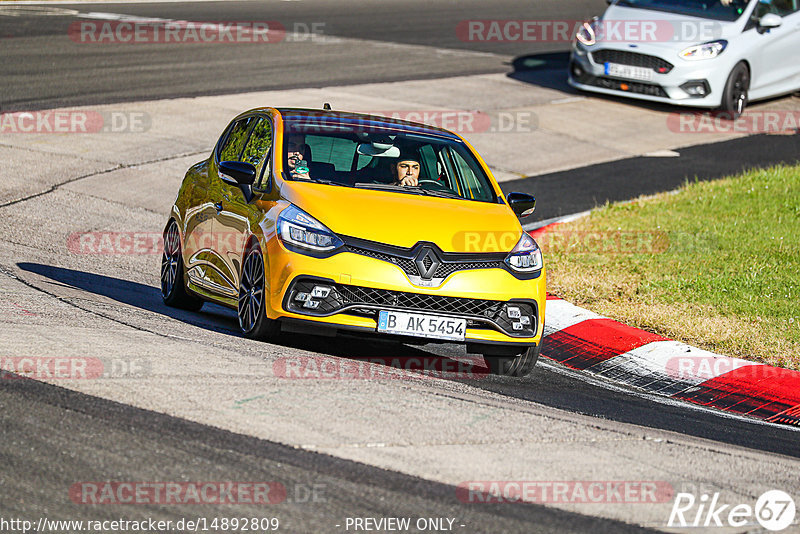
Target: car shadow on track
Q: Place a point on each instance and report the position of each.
(145, 297)
(411, 360)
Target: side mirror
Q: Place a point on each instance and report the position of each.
(769, 21)
(237, 172)
(522, 204)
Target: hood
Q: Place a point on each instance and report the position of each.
(403, 219)
(652, 30)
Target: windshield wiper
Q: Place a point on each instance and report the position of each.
(441, 194)
(389, 187)
(415, 190)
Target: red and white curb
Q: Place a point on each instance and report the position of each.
(583, 340)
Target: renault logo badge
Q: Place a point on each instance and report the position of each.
(427, 262)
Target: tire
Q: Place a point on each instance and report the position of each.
(253, 320)
(520, 365)
(173, 285)
(735, 95)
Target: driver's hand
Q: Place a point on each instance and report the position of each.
(409, 180)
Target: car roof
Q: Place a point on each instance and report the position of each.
(370, 121)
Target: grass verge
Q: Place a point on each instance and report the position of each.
(714, 264)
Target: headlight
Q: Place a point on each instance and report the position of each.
(299, 229)
(704, 51)
(587, 34)
(526, 256)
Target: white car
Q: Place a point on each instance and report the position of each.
(700, 53)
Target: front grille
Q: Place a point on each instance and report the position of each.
(632, 87)
(362, 300)
(623, 57)
(417, 301)
(406, 262)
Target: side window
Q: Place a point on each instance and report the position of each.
(778, 7)
(257, 150)
(232, 147)
(471, 186)
(429, 162)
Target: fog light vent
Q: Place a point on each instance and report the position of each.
(697, 88)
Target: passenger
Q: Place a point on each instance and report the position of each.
(406, 169)
(296, 151)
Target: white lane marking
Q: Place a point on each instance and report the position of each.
(561, 314)
(24, 11)
(72, 2)
(562, 219)
(662, 154)
(568, 100)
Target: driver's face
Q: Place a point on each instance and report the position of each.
(408, 172)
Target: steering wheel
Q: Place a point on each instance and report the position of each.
(437, 185)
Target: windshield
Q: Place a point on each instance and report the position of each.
(385, 157)
(724, 10)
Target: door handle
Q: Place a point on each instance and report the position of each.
(218, 207)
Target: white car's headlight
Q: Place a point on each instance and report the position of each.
(526, 255)
(704, 51)
(298, 228)
(587, 34)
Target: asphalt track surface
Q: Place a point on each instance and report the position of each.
(42, 424)
(43, 67)
(578, 190)
(53, 437)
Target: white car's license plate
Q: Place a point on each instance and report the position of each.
(422, 325)
(629, 71)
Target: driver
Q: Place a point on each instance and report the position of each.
(406, 169)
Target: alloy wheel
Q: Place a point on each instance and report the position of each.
(251, 291)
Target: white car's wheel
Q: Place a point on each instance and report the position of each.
(735, 95)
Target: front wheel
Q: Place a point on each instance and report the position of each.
(173, 287)
(520, 365)
(735, 95)
(253, 319)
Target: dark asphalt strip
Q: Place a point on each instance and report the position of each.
(549, 388)
(54, 438)
(581, 189)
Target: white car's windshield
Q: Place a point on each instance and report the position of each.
(723, 10)
(351, 153)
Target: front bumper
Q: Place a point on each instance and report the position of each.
(669, 88)
(361, 286)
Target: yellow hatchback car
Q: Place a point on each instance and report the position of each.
(320, 221)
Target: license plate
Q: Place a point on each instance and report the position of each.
(422, 325)
(629, 71)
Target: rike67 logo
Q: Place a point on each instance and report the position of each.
(774, 510)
